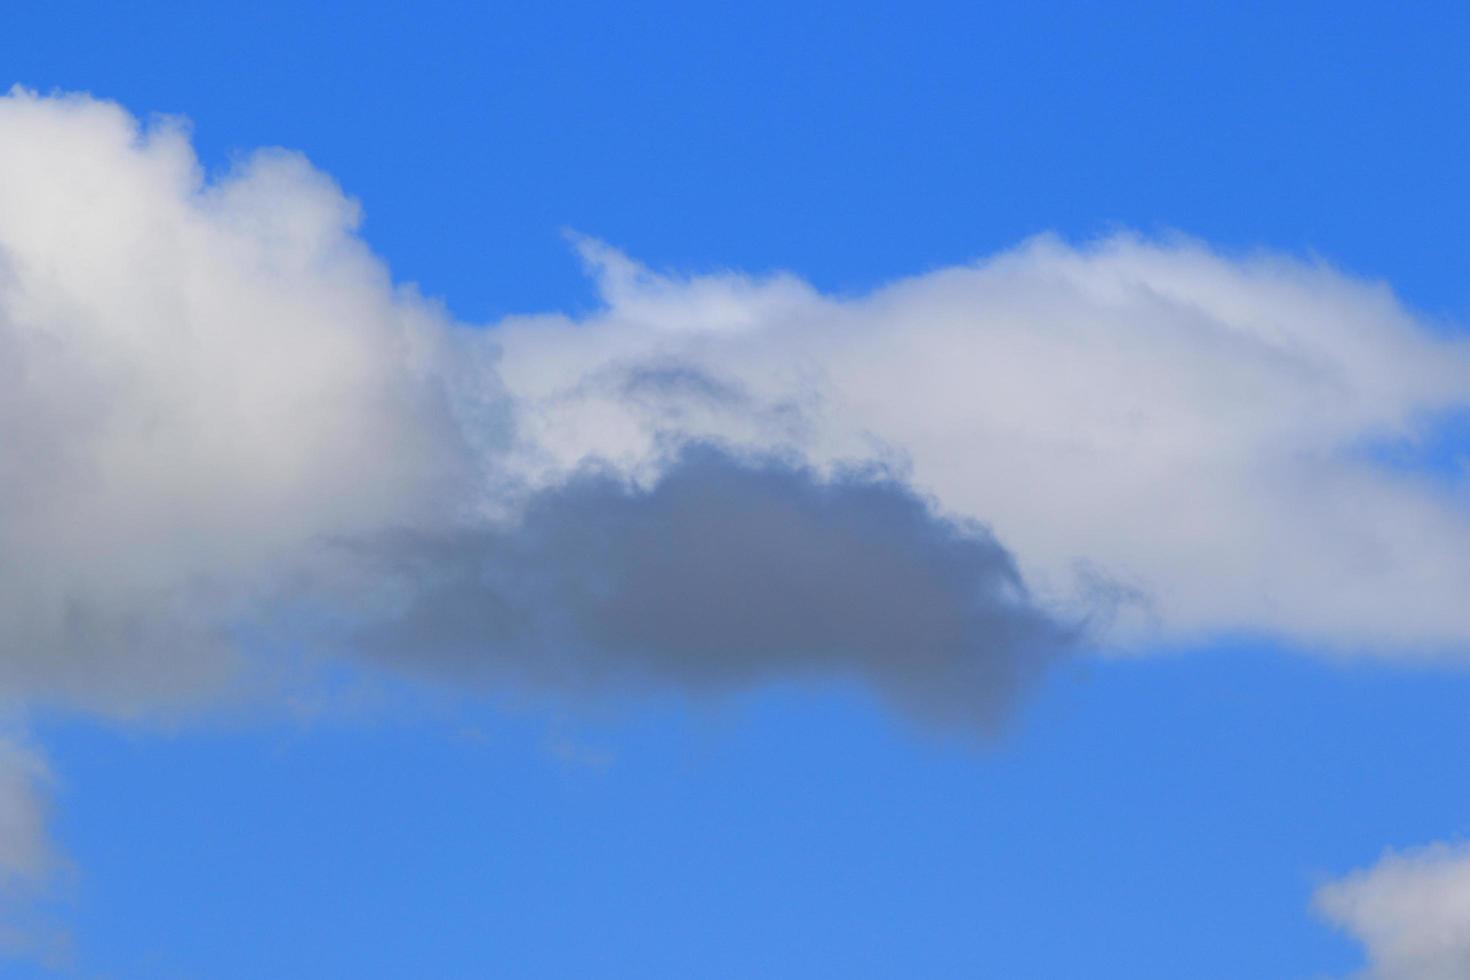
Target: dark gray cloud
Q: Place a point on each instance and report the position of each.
(725, 573)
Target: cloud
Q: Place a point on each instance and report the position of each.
(723, 573)
(28, 858)
(1249, 444)
(218, 412)
(1411, 912)
(227, 431)
(25, 850)
(218, 406)
(209, 385)
(198, 381)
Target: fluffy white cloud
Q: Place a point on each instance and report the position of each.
(206, 386)
(198, 382)
(1411, 912)
(224, 426)
(1225, 437)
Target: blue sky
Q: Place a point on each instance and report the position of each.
(1170, 811)
(851, 145)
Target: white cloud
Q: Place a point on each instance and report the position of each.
(198, 382)
(1411, 912)
(205, 384)
(1196, 427)
(214, 401)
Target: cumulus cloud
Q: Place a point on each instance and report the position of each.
(219, 407)
(1235, 440)
(222, 420)
(214, 400)
(198, 380)
(227, 431)
(210, 385)
(1411, 912)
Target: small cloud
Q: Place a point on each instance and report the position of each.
(1410, 911)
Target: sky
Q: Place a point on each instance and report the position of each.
(724, 490)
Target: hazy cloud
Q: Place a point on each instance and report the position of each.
(28, 859)
(25, 849)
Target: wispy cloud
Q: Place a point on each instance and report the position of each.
(28, 857)
(25, 850)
